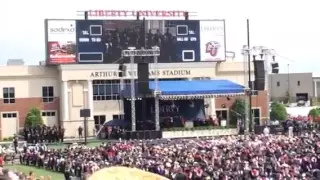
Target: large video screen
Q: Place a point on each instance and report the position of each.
(102, 41)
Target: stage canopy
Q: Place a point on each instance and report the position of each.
(194, 89)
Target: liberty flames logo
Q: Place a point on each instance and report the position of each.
(212, 48)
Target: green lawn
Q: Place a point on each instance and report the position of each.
(38, 172)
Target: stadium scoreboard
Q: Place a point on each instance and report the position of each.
(101, 41)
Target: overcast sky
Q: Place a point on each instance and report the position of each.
(289, 27)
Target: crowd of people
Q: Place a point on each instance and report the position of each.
(265, 156)
(120, 39)
(229, 157)
(42, 134)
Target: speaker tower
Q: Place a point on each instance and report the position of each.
(143, 78)
(259, 75)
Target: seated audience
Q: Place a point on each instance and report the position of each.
(229, 157)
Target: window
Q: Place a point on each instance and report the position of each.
(107, 89)
(47, 94)
(256, 115)
(278, 83)
(116, 116)
(110, 89)
(9, 115)
(8, 95)
(99, 120)
(48, 113)
(222, 114)
(298, 83)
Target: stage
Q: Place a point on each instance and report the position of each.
(179, 101)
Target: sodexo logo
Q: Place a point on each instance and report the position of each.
(62, 30)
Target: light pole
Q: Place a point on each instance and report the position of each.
(247, 74)
(156, 93)
(133, 52)
(122, 73)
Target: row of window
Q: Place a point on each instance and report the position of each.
(107, 91)
(14, 115)
(278, 83)
(110, 89)
(102, 90)
(9, 94)
(48, 113)
(9, 115)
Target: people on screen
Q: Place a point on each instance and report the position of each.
(120, 39)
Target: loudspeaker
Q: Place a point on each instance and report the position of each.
(84, 113)
(275, 68)
(122, 70)
(143, 78)
(259, 75)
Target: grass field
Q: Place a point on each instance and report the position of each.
(38, 172)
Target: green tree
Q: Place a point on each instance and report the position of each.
(278, 111)
(33, 118)
(314, 113)
(237, 110)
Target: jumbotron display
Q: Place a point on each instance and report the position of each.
(101, 41)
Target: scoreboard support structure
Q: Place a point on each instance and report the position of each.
(132, 52)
